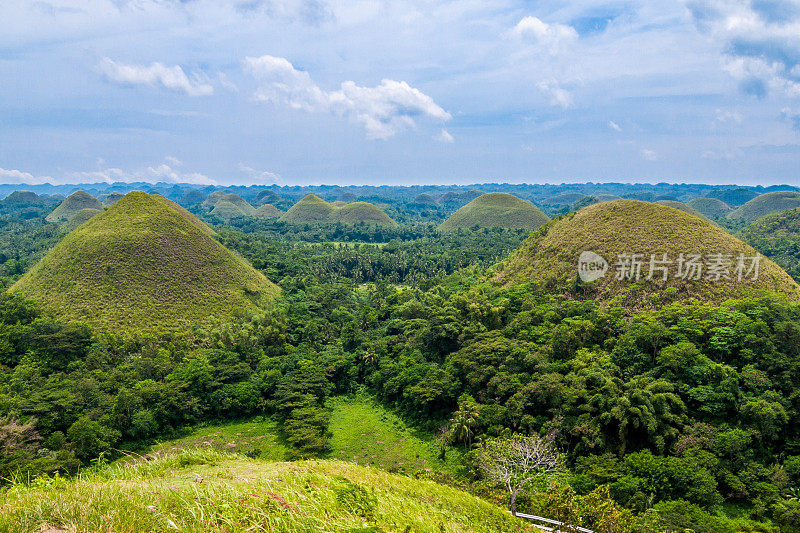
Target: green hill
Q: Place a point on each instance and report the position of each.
(424, 199)
(361, 212)
(496, 209)
(79, 218)
(211, 491)
(212, 199)
(777, 236)
(681, 207)
(72, 204)
(459, 198)
(771, 202)
(710, 207)
(550, 255)
(111, 199)
(267, 211)
(226, 210)
(192, 197)
(23, 198)
(734, 197)
(193, 220)
(143, 265)
(266, 197)
(312, 209)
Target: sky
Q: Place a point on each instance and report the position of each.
(299, 92)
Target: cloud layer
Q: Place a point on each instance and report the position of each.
(383, 110)
(155, 74)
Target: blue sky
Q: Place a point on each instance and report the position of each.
(372, 92)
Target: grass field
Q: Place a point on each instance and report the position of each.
(205, 490)
(363, 432)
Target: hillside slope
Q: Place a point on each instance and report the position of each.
(142, 264)
(496, 209)
(777, 236)
(72, 204)
(771, 202)
(550, 256)
(208, 491)
(312, 209)
(710, 207)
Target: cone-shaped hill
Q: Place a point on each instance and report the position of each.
(72, 204)
(142, 265)
(112, 198)
(267, 211)
(312, 209)
(79, 218)
(771, 202)
(776, 236)
(614, 230)
(23, 198)
(193, 220)
(681, 206)
(710, 207)
(496, 209)
(214, 199)
(226, 210)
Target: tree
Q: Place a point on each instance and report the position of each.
(516, 462)
(463, 423)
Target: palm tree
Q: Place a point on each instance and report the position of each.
(463, 422)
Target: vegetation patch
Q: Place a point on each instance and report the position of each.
(496, 210)
(771, 202)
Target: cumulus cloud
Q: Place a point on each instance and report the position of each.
(155, 74)
(19, 177)
(553, 37)
(557, 95)
(165, 172)
(445, 137)
(649, 155)
(259, 176)
(761, 40)
(383, 111)
(793, 116)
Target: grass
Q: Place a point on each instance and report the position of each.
(79, 218)
(226, 210)
(71, 205)
(771, 202)
(267, 211)
(496, 209)
(550, 255)
(312, 209)
(776, 236)
(143, 265)
(681, 207)
(201, 490)
(363, 432)
(710, 207)
(367, 433)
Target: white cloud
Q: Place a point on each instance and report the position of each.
(173, 78)
(259, 176)
(724, 117)
(555, 93)
(553, 37)
(383, 111)
(614, 126)
(164, 172)
(445, 137)
(19, 177)
(649, 155)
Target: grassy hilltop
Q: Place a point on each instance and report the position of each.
(710, 207)
(72, 204)
(211, 491)
(312, 209)
(144, 264)
(496, 209)
(550, 255)
(771, 202)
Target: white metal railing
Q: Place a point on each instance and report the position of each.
(553, 522)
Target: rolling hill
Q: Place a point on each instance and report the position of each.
(550, 255)
(771, 202)
(734, 197)
(266, 197)
(71, 205)
(681, 207)
(777, 236)
(566, 198)
(23, 198)
(79, 218)
(267, 211)
(496, 209)
(710, 207)
(211, 491)
(424, 199)
(312, 209)
(226, 210)
(143, 265)
(112, 198)
(218, 196)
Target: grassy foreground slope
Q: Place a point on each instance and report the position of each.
(496, 210)
(142, 264)
(550, 255)
(771, 202)
(209, 491)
